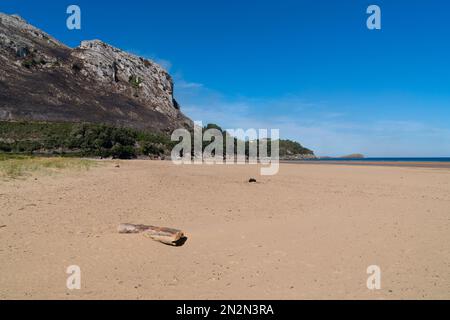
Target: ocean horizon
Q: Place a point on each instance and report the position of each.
(389, 159)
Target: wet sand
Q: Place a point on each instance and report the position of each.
(309, 232)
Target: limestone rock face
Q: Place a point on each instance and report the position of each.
(142, 79)
(42, 79)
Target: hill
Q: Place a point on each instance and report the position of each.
(42, 79)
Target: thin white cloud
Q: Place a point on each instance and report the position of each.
(188, 85)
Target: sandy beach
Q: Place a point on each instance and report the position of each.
(309, 232)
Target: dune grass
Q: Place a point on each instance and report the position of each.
(15, 166)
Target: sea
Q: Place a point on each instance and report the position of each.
(443, 159)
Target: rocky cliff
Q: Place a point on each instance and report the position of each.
(44, 80)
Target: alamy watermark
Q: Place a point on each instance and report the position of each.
(374, 20)
(73, 22)
(231, 150)
(73, 281)
(374, 280)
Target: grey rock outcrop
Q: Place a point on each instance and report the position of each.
(44, 80)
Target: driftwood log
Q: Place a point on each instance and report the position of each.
(168, 236)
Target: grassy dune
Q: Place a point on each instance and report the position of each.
(13, 166)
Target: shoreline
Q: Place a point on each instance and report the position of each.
(405, 164)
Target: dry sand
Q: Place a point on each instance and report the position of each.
(309, 232)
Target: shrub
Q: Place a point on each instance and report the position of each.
(119, 151)
(150, 148)
(5, 147)
(135, 81)
(29, 63)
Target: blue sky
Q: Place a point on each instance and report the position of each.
(310, 68)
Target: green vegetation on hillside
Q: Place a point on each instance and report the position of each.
(73, 139)
(289, 148)
(97, 140)
(286, 147)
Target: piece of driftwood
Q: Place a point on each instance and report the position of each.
(165, 235)
(132, 228)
